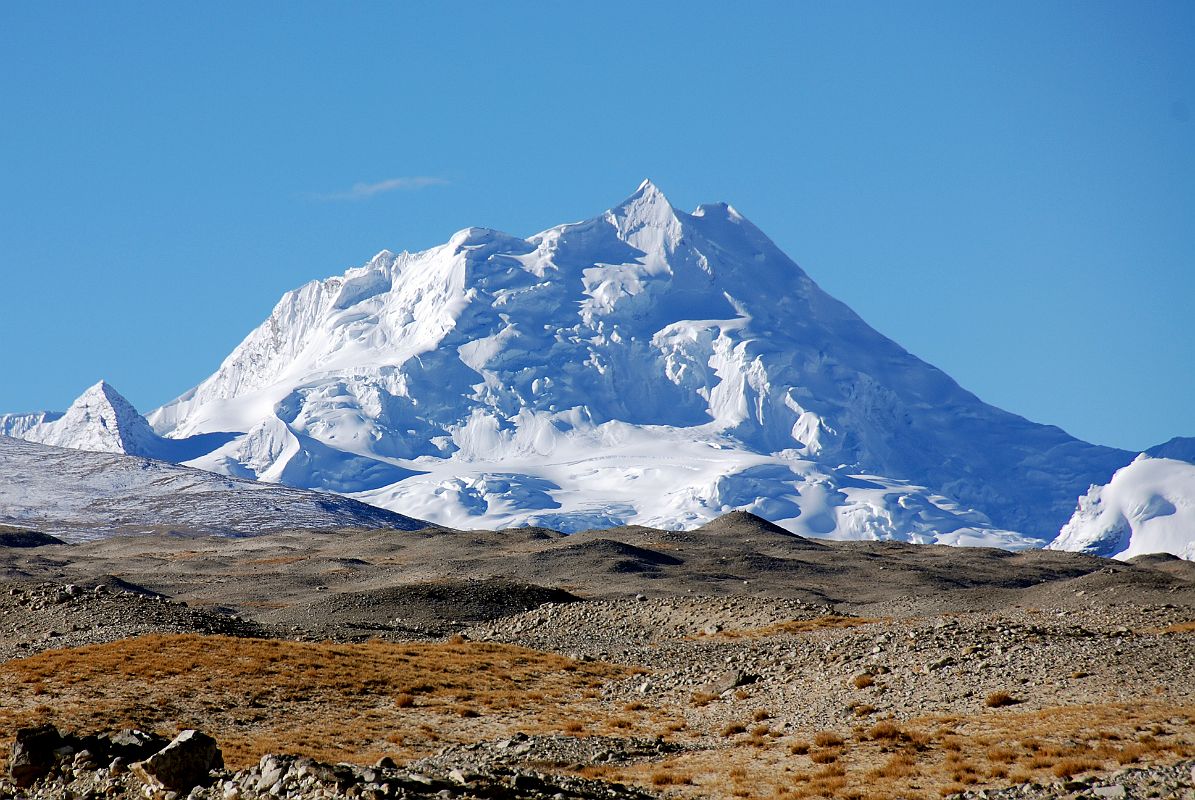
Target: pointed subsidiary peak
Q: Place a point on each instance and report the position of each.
(102, 420)
(647, 186)
(647, 207)
(647, 194)
(104, 392)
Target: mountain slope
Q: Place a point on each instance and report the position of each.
(1180, 448)
(79, 495)
(1147, 507)
(644, 366)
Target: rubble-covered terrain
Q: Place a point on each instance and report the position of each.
(736, 660)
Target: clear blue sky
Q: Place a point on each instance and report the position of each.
(1007, 189)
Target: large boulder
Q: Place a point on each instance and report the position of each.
(33, 754)
(181, 765)
(131, 745)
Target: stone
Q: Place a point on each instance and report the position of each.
(133, 745)
(1114, 791)
(182, 764)
(272, 769)
(33, 754)
(730, 679)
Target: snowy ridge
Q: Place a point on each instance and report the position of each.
(1147, 507)
(21, 425)
(82, 495)
(645, 366)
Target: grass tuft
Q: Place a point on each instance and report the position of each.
(1000, 700)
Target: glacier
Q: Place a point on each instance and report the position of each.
(1147, 507)
(646, 366)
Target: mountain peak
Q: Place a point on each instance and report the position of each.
(646, 201)
(102, 391)
(646, 210)
(101, 420)
(645, 365)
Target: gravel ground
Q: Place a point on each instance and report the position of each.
(735, 626)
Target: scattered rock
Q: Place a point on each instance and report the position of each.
(182, 764)
(33, 754)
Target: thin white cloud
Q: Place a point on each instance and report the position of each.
(363, 191)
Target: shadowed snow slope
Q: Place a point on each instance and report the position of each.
(81, 495)
(1147, 507)
(645, 366)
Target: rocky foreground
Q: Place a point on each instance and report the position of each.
(133, 764)
(735, 661)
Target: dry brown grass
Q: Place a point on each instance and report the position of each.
(408, 700)
(887, 729)
(1069, 767)
(827, 756)
(662, 778)
(863, 680)
(827, 739)
(929, 756)
(899, 765)
(733, 729)
(258, 696)
(1001, 754)
(1000, 700)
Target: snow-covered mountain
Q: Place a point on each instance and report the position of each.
(645, 366)
(1147, 507)
(79, 495)
(101, 420)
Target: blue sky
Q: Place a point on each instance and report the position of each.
(1006, 189)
